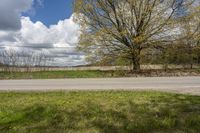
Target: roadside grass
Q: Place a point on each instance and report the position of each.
(55, 74)
(99, 112)
(97, 74)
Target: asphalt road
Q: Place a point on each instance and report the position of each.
(189, 85)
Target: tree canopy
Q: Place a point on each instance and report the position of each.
(128, 28)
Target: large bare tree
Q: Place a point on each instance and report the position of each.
(125, 27)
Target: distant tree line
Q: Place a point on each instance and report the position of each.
(23, 60)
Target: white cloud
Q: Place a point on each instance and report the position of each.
(65, 33)
(18, 32)
(33, 32)
(58, 41)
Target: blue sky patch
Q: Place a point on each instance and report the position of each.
(50, 11)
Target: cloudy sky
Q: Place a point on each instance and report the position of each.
(40, 25)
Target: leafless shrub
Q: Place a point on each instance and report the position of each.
(13, 60)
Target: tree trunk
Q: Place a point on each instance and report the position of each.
(191, 66)
(136, 64)
(191, 61)
(191, 56)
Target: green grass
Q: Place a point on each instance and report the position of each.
(95, 74)
(99, 112)
(55, 74)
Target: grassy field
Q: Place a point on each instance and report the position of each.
(99, 112)
(97, 74)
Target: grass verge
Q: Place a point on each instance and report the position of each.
(97, 74)
(55, 74)
(99, 112)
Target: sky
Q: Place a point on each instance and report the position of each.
(41, 26)
(50, 11)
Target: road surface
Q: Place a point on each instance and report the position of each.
(189, 85)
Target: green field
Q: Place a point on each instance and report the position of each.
(97, 74)
(99, 112)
